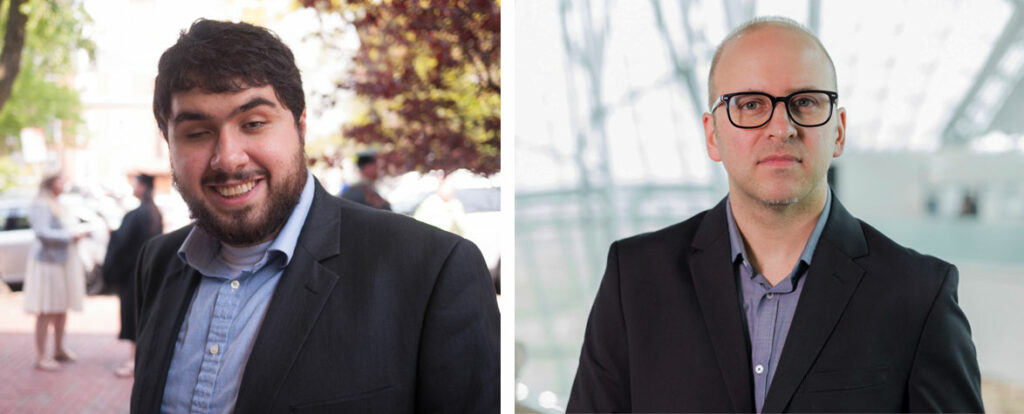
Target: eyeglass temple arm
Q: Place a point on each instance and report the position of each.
(719, 101)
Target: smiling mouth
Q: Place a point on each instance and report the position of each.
(235, 190)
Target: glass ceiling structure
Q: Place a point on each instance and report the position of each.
(915, 75)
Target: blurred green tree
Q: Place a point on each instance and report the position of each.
(41, 38)
(428, 77)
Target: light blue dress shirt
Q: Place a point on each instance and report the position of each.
(52, 237)
(769, 309)
(224, 317)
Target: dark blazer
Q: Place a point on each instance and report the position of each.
(139, 225)
(376, 313)
(877, 328)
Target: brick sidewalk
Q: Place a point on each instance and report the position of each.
(85, 386)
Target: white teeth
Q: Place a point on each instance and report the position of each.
(236, 190)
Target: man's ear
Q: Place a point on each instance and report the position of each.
(710, 137)
(302, 128)
(840, 141)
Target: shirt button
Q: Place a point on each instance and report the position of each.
(770, 294)
(214, 349)
(234, 284)
(758, 369)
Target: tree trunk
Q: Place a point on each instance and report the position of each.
(10, 57)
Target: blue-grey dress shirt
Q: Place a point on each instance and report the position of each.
(224, 317)
(769, 309)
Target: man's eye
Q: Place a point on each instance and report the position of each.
(254, 125)
(804, 102)
(196, 134)
(750, 106)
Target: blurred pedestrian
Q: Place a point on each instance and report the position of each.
(139, 225)
(365, 191)
(442, 209)
(54, 277)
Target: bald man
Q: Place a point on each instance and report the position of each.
(777, 299)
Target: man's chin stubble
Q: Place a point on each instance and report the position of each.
(780, 204)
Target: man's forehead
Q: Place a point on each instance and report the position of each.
(769, 40)
(768, 54)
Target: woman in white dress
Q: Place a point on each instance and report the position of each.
(54, 277)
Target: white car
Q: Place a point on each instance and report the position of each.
(16, 238)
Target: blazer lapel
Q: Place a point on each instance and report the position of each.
(830, 282)
(716, 289)
(298, 300)
(179, 285)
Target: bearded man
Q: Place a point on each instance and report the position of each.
(280, 297)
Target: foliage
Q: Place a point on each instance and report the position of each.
(42, 91)
(427, 74)
(8, 172)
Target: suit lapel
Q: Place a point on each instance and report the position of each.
(300, 296)
(716, 289)
(830, 282)
(179, 285)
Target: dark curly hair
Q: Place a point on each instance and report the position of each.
(222, 57)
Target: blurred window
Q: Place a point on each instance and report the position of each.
(479, 199)
(13, 219)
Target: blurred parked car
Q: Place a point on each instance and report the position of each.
(481, 221)
(16, 238)
(480, 199)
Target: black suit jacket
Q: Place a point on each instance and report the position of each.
(877, 328)
(123, 249)
(376, 313)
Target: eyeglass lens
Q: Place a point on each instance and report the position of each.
(755, 109)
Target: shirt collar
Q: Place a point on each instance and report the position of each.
(200, 250)
(736, 240)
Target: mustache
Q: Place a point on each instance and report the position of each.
(221, 177)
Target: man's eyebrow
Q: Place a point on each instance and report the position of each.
(806, 88)
(254, 102)
(190, 116)
(199, 116)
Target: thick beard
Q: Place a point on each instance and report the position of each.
(243, 227)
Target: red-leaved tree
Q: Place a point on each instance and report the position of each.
(428, 75)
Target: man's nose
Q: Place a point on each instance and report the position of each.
(230, 153)
(781, 126)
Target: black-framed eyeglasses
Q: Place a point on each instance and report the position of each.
(750, 110)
